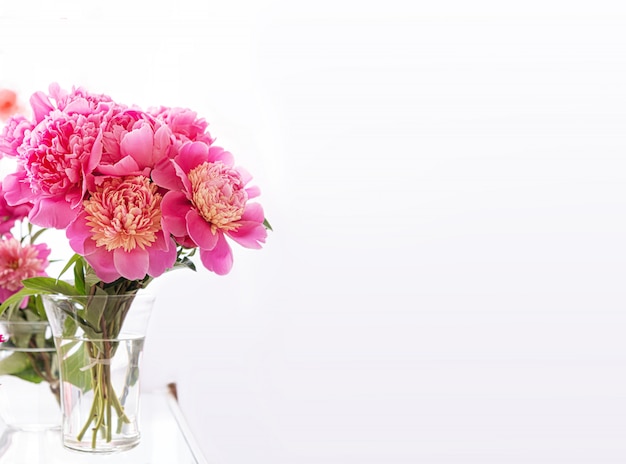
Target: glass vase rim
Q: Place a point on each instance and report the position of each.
(63, 296)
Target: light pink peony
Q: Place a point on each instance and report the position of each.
(18, 262)
(184, 124)
(133, 142)
(208, 201)
(119, 231)
(13, 133)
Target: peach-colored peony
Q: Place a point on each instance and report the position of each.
(208, 201)
(18, 262)
(119, 231)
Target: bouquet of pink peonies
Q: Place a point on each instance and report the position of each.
(138, 193)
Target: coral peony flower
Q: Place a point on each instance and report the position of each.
(13, 134)
(56, 158)
(211, 203)
(119, 232)
(8, 104)
(10, 214)
(18, 262)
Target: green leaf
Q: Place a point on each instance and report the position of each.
(14, 363)
(267, 225)
(71, 262)
(29, 375)
(13, 302)
(185, 262)
(50, 285)
(36, 235)
(73, 366)
(79, 276)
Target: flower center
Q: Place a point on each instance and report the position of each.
(124, 213)
(218, 194)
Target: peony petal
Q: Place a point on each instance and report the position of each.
(164, 175)
(253, 212)
(124, 167)
(101, 261)
(249, 234)
(219, 154)
(41, 106)
(174, 208)
(57, 214)
(200, 231)
(253, 192)
(162, 256)
(162, 143)
(138, 144)
(219, 259)
(192, 154)
(78, 232)
(16, 188)
(132, 265)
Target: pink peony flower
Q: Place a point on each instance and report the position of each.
(77, 101)
(133, 143)
(184, 124)
(119, 231)
(8, 104)
(10, 214)
(19, 262)
(60, 151)
(13, 134)
(208, 201)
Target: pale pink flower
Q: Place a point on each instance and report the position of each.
(19, 262)
(56, 157)
(8, 104)
(13, 134)
(133, 142)
(184, 123)
(208, 201)
(119, 231)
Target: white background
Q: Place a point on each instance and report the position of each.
(447, 182)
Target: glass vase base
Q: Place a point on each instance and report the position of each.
(114, 446)
(29, 447)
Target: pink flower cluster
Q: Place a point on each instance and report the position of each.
(130, 187)
(18, 262)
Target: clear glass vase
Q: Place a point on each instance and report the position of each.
(100, 341)
(29, 384)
